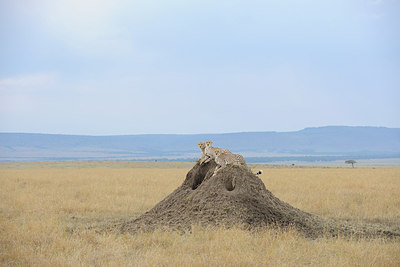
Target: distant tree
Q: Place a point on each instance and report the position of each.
(350, 162)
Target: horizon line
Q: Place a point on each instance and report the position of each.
(241, 132)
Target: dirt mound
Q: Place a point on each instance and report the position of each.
(235, 196)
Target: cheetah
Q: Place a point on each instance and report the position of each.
(210, 151)
(223, 159)
(202, 147)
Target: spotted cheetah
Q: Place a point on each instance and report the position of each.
(223, 159)
(202, 147)
(209, 151)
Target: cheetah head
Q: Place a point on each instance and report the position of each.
(208, 143)
(217, 151)
(201, 145)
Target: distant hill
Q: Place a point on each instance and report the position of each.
(329, 142)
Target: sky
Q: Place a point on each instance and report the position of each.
(99, 67)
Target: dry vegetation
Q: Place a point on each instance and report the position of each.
(50, 216)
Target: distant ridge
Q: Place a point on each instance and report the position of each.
(330, 142)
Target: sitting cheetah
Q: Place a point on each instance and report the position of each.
(223, 159)
(210, 151)
(202, 147)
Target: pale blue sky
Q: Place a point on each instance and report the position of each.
(128, 67)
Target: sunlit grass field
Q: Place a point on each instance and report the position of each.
(51, 216)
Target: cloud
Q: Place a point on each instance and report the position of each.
(26, 81)
(87, 27)
(375, 2)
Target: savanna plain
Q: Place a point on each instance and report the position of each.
(54, 214)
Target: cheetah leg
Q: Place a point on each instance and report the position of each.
(207, 160)
(217, 169)
(201, 159)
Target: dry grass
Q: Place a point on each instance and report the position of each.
(45, 214)
(368, 195)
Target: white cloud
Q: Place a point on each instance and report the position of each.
(375, 2)
(87, 26)
(26, 81)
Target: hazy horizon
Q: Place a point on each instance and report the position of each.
(203, 133)
(172, 67)
(311, 144)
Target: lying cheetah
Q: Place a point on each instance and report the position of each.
(223, 159)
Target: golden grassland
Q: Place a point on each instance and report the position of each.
(50, 217)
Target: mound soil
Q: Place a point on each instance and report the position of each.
(235, 196)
